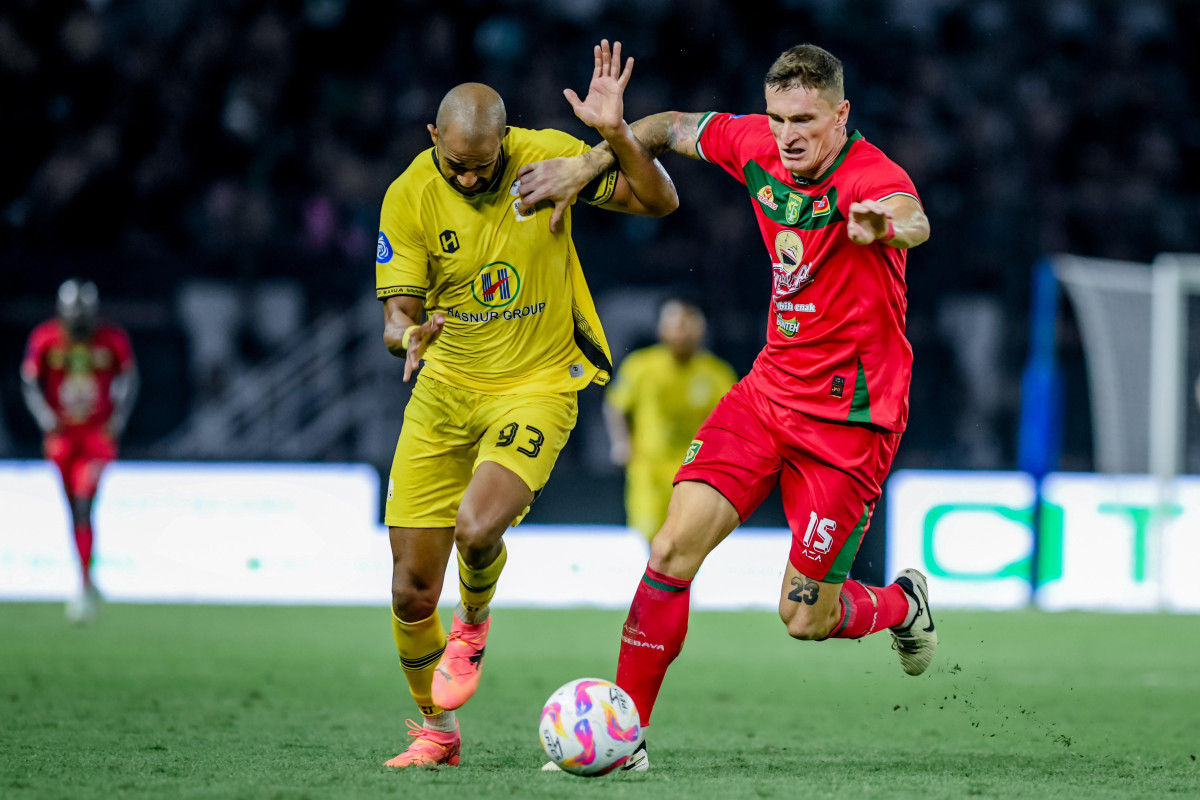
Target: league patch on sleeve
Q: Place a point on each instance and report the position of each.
(383, 249)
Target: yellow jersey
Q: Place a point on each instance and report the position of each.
(519, 316)
(667, 401)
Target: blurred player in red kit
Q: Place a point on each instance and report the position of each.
(80, 382)
(822, 410)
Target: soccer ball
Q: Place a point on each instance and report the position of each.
(589, 727)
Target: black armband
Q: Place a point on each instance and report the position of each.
(600, 189)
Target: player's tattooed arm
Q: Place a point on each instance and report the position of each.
(675, 131)
(560, 180)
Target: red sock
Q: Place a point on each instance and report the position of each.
(869, 609)
(652, 637)
(83, 544)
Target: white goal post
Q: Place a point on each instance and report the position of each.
(1175, 277)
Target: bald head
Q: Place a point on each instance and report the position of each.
(471, 125)
(472, 111)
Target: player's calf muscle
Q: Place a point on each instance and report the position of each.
(674, 554)
(809, 608)
(808, 624)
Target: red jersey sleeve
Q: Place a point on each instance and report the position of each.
(31, 365)
(727, 140)
(118, 340)
(882, 180)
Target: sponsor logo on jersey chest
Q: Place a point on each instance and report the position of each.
(767, 197)
(496, 285)
(789, 271)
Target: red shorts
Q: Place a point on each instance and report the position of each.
(81, 454)
(829, 473)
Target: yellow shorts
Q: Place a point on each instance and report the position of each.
(448, 432)
(648, 494)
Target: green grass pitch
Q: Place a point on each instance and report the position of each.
(265, 702)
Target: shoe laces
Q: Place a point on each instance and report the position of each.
(419, 734)
(462, 635)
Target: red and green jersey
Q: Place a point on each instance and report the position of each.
(835, 331)
(76, 376)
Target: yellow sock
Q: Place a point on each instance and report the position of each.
(420, 644)
(478, 586)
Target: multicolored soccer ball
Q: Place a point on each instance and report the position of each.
(589, 727)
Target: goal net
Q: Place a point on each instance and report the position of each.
(1140, 326)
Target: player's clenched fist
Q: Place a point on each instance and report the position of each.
(869, 222)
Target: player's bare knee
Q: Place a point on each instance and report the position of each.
(669, 554)
(412, 604)
(476, 538)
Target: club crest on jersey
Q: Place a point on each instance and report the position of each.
(791, 214)
(383, 249)
(515, 191)
(496, 285)
(767, 197)
(822, 206)
(522, 216)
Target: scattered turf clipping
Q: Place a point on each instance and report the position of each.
(266, 702)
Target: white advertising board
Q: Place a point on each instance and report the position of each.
(1105, 542)
(1119, 543)
(310, 534)
(971, 533)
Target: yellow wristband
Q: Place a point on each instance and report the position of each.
(408, 335)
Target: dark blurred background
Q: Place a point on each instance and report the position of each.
(217, 168)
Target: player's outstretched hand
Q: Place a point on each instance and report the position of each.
(420, 340)
(869, 221)
(557, 180)
(604, 107)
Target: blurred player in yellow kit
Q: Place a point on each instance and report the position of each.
(511, 336)
(659, 398)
